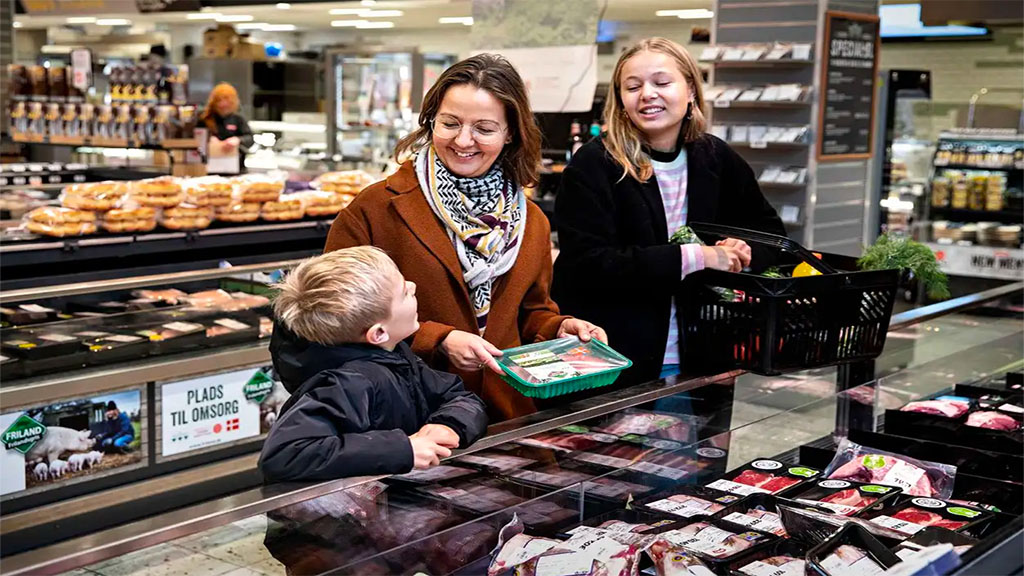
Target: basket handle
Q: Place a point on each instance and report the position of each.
(765, 239)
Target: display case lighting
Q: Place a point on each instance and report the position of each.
(113, 22)
(380, 13)
(16, 24)
(81, 20)
(203, 16)
(366, 25)
(283, 6)
(688, 14)
(464, 20)
(348, 23)
(345, 11)
(235, 18)
(368, 2)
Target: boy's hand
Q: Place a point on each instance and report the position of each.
(426, 452)
(440, 434)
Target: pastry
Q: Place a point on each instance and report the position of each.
(349, 182)
(162, 192)
(284, 209)
(208, 191)
(187, 217)
(254, 190)
(321, 203)
(54, 221)
(238, 212)
(141, 219)
(98, 196)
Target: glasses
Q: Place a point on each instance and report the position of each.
(483, 132)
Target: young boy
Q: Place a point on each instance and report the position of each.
(362, 403)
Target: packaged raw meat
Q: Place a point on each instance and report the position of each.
(646, 423)
(775, 566)
(846, 497)
(534, 369)
(852, 551)
(584, 554)
(616, 455)
(38, 344)
(693, 501)
(171, 296)
(434, 474)
(993, 421)
(669, 560)
(757, 511)
(912, 516)
(544, 515)
(208, 299)
(947, 408)
(813, 525)
(494, 461)
(713, 541)
(568, 439)
(915, 477)
(930, 537)
(551, 475)
(764, 476)
(613, 489)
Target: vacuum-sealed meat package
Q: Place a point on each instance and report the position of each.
(912, 516)
(950, 408)
(764, 476)
(693, 501)
(846, 497)
(869, 465)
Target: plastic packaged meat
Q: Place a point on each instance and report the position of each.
(671, 561)
(764, 476)
(550, 475)
(947, 408)
(775, 566)
(495, 461)
(993, 421)
(434, 474)
(712, 541)
(758, 519)
(585, 554)
(648, 424)
(692, 501)
(567, 439)
(558, 360)
(846, 497)
(919, 513)
(847, 560)
(915, 477)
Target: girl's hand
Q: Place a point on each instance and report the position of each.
(741, 248)
(470, 352)
(581, 329)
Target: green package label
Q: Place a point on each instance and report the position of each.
(258, 387)
(805, 472)
(23, 434)
(966, 513)
(875, 489)
(874, 461)
(573, 429)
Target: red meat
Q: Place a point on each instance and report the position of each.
(947, 408)
(950, 524)
(850, 497)
(992, 421)
(752, 478)
(856, 470)
(779, 483)
(918, 516)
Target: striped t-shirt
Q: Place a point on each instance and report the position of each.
(672, 175)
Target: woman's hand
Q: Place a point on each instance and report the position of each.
(582, 329)
(740, 246)
(470, 352)
(231, 143)
(724, 258)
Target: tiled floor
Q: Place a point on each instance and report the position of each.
(769, 416)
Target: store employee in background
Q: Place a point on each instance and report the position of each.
(230, 136)
(455, 220)
(623, 194)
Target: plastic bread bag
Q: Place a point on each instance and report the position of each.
(259, 188)
(208, 191)
(94, 196)
(320, 202)
(915, 477)
(161, 192)
(284, 208)
(60, 222)
(186, 217)
(138, 219)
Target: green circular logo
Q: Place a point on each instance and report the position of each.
(966, 513)
(873, 461)
(875, 489)
(805, 472)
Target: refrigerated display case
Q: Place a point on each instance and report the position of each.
(668, 454)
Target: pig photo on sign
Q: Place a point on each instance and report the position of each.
(270, 407)
(59, 440)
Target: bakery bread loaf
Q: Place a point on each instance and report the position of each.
(255, 189)
(96, 196)
(54, 221)
(321, 203)
(162, 192)
(208, 191)
(141, 219)
(283, 209)
(238, 212)
(187, 217)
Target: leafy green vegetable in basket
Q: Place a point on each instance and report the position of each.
(898, 252)
(772, 272)
(685, 235)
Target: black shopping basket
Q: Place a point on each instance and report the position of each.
(771, 325)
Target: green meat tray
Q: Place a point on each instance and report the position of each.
(551, 357)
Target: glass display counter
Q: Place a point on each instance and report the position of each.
(653, 454)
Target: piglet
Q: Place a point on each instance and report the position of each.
(41, 471)
(94, 458)
(58, 468)
(76, 462)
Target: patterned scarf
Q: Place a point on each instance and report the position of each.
(485, 218)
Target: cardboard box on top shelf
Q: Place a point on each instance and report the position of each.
(248, 50)
(220, 41)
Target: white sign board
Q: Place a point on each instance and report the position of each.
(81, 68)
(558, 78)
(980, 261)
(207, 411)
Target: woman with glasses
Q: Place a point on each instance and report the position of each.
(455, 220)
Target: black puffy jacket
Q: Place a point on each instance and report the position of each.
(354, 406)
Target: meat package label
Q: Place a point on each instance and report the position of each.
(769, 522)
(566, 564)
(736, 488)
(603, 460)
(659, 470)
(901, 474)
(544, 366)
(687, 509)
(500, 462)
(838, 508)
(533, 548)
(863, 566)
(710, 540)
(758, 568)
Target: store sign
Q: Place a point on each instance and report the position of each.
(81, 69)
(847, 100)
(78, 7)
(70, 440)
(550, 88)
(980, 261)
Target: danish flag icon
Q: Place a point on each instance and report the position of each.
(232, 424)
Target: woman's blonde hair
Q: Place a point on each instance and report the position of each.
(624, 140)
(521, 156)
(336, 297)
(222, 91)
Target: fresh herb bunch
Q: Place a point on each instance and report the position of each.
(772, 272)
(903, 253)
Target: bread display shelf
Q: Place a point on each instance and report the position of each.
(171, 144)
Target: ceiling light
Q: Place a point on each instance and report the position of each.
(113, 22)
(235, 18)
(368, 2)
(346, 11)
(279, 28)
(380, 13)
(283, 6)
(203, 15)
(16, 24)
(348, 23)
(251, 26)
(689, 14)
(365, 25)
(81, 20)
(466, 20)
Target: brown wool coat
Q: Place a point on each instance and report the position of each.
(394, 215)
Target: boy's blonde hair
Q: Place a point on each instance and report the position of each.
(336, 297)
(624, 140)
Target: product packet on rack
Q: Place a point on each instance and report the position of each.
(851, 551)
(932, 536)
(764, 476)
(693, 502)
(913, 515)
(812, 526)
(915, 477)
(717, 543)
(847, 497)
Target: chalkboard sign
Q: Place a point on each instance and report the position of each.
(848, 72)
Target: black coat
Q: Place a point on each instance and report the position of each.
(353, 408)
(616, 267)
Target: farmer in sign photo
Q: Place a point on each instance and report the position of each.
(117, 432)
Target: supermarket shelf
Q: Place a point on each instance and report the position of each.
(758, 104)
(962, 215)
(177, 144)
(980, 261)
(769, 145)
(996, 167)
(784, 63)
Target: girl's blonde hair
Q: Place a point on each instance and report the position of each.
(624, 140)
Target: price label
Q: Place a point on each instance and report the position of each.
(759, 145)
(722, 103)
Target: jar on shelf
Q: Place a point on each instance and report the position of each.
(941, 190)
(994, 192)
(977, 190)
